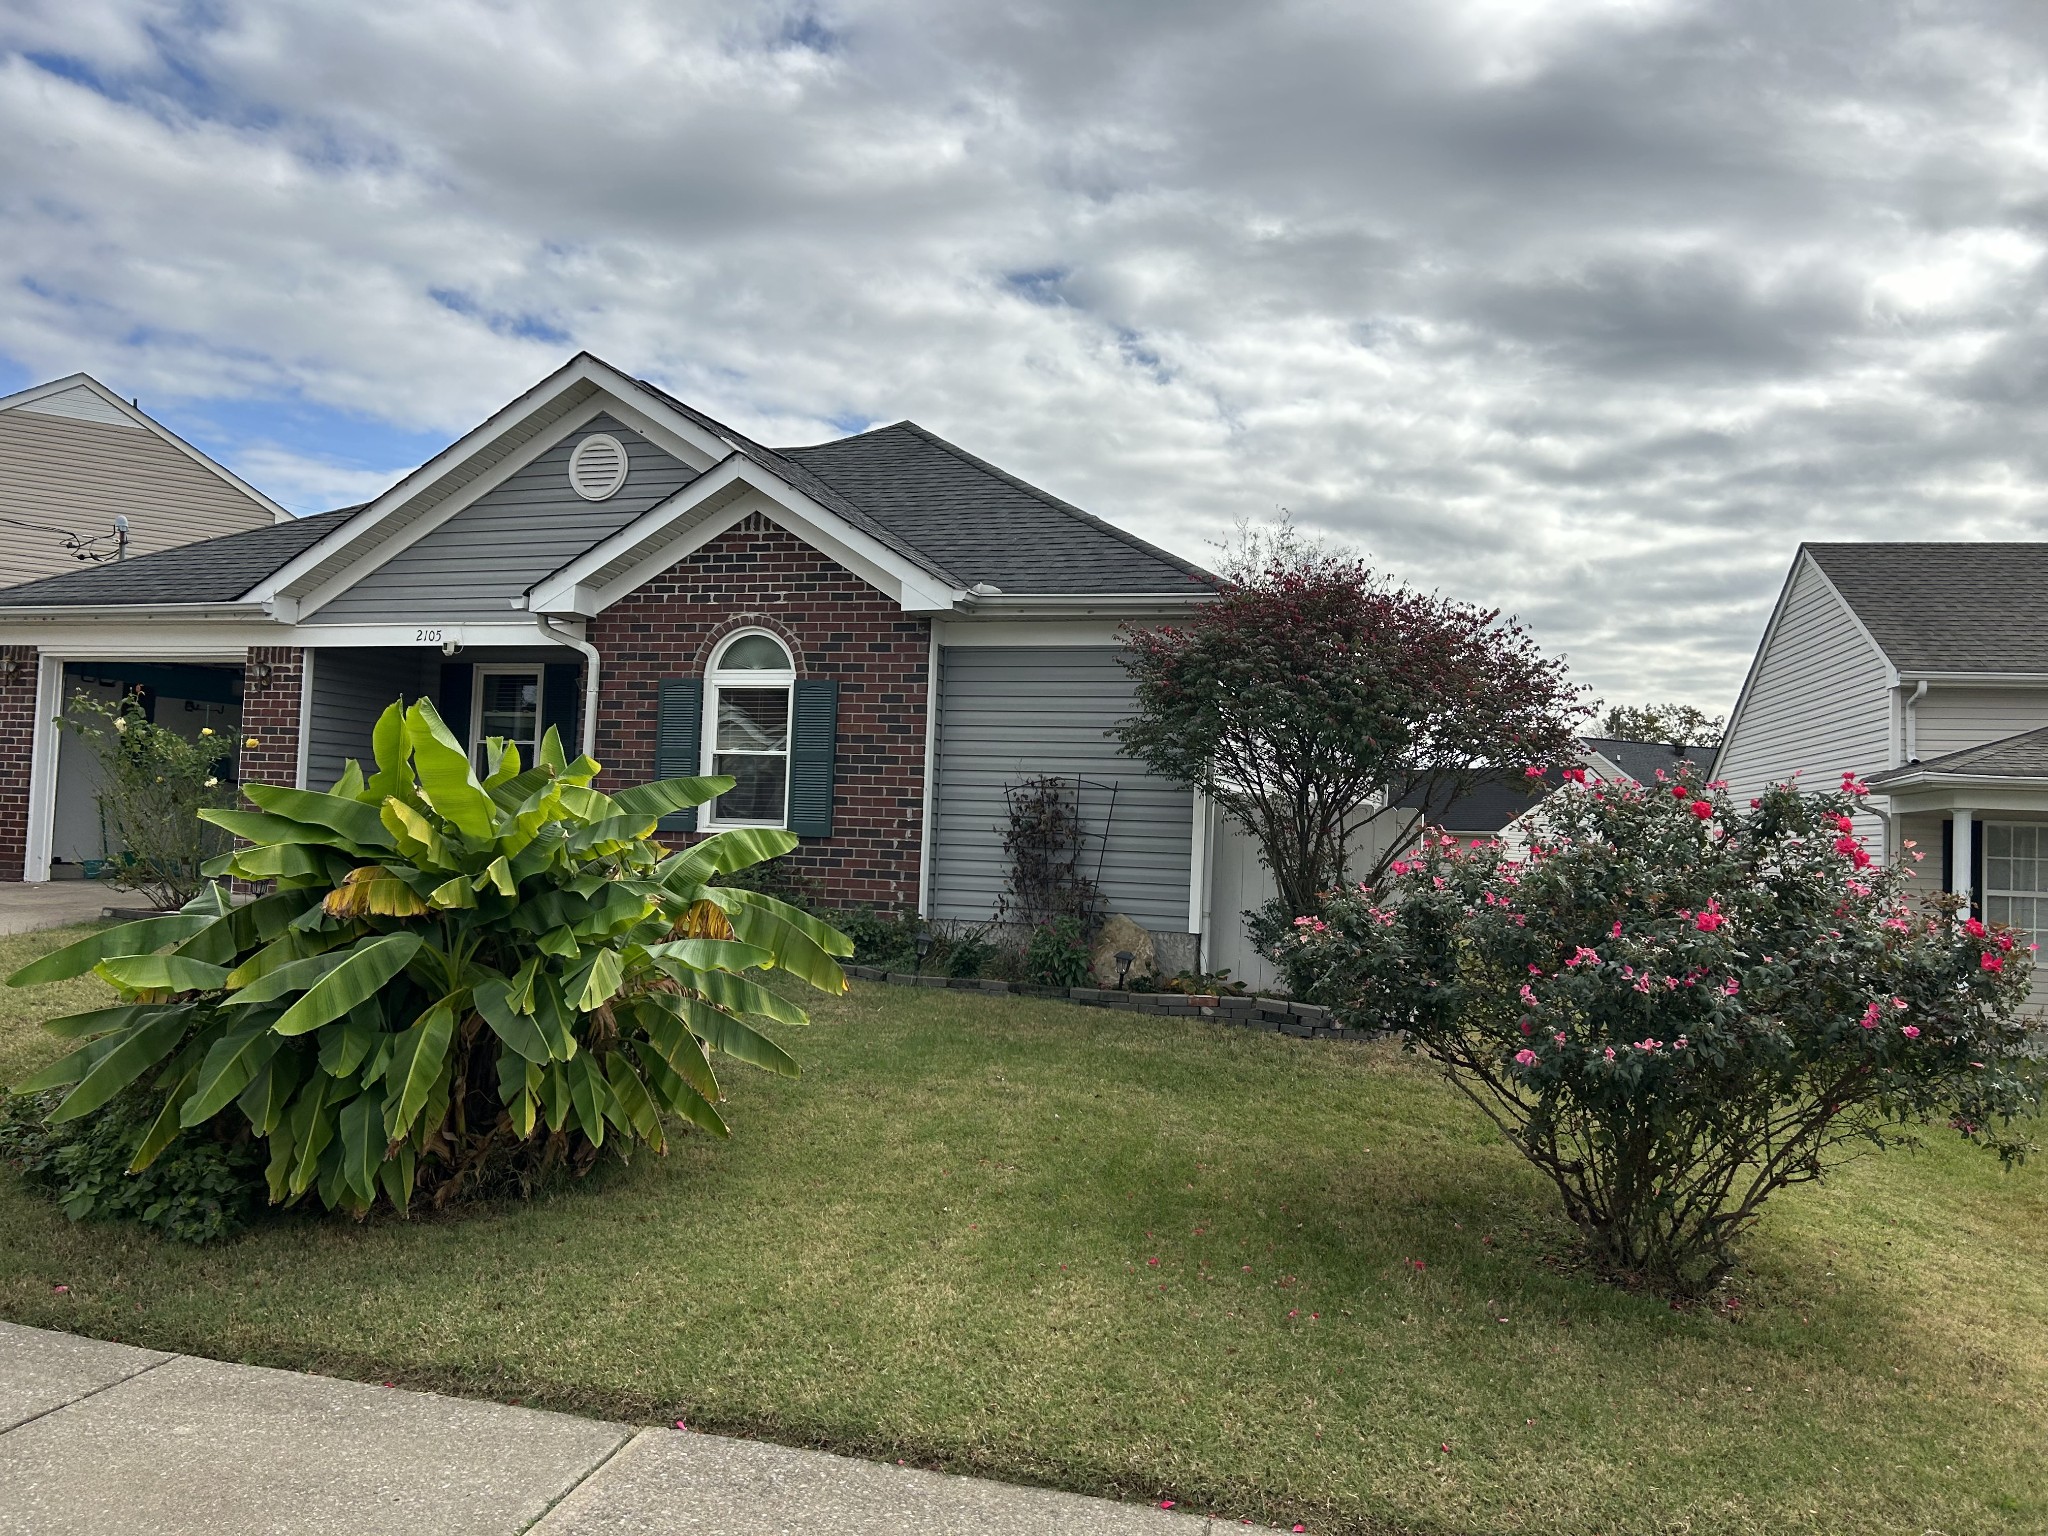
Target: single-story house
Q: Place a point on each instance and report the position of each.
(75, 456)
(874, 636)
(1922, 669)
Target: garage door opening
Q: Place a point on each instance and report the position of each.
(185, 697)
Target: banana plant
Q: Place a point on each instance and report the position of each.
(451, 983)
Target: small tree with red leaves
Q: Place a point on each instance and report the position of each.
(1312, 686)
(1675, 1006)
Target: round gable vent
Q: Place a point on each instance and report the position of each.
(598, 466)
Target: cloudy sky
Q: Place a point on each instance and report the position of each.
(1589, 309)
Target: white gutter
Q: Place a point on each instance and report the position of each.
(591, 663)
(1913, 720)
(55, 612)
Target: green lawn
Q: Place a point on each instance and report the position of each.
(1159, 1259)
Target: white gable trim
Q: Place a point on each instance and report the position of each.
(85, 381)
(661, 423)
(294, 609)
(1800, 561)
(708, 507)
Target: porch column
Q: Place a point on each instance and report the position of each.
(1962, 870)
(270, 715)
(18, 685)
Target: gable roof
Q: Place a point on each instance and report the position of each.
(2024, 756)
(1503, 794)
(210, 571)
(1950, 607)
(985, 525)
(928, 504)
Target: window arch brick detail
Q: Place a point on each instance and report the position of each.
(758, 575)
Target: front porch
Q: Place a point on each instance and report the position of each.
(1975, 823)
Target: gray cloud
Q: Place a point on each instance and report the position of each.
(1589, 309)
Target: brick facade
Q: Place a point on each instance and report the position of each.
(17, 752)
(757, 574)
(270, 715)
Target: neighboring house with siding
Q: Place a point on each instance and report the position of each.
(74, 456)
(876, 636)
(1923, 669)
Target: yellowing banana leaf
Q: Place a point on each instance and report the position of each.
(373, 891)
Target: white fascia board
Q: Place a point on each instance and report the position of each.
(294, 608)
(468, 633)
(576, 371)
(1949, 792)
(1976, 679)
(965, 630)
(150, 424)
(1112, 605)
(671, 534)
(616, 392)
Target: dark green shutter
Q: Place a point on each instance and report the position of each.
(458, 683)
(814, 750)
(678, 734)
(560, 697)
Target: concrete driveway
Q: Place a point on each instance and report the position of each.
(26, 907)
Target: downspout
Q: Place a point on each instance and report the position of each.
(590, 669)
(1913, 721)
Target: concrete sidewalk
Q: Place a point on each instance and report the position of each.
(110, 1440)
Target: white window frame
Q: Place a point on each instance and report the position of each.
(483, 670)
(756, 680)
(1992, 892)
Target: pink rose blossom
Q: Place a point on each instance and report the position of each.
(1911, 1031)
(1525, 1057)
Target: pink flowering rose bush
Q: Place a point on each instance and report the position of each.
(1675, 1005)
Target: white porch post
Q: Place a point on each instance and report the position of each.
(1962, 875)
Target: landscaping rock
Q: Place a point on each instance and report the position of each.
(1120, 933)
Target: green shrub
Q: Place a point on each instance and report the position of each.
(455, 986)
(1057, 955)
(1675, 1007)
(201, 1189)
(153, 785)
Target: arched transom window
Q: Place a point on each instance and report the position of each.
(746, 729)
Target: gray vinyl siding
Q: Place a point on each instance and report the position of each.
(1011, 713)
(351, 689)
(489, 553)
(1818, 702)
(1952, 718)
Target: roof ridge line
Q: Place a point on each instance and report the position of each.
(1187, 567)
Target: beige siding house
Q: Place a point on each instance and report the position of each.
(74, 456)
(1922, 668)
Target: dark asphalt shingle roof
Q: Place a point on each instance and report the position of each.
(1505, 793)
(983, 524)
(209, 571)
(1947, 607)
(1642, 760)
(936, 505)
(2024, 756)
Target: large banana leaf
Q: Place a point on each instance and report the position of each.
(433, 931)
(142, 937)
(356, 979)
